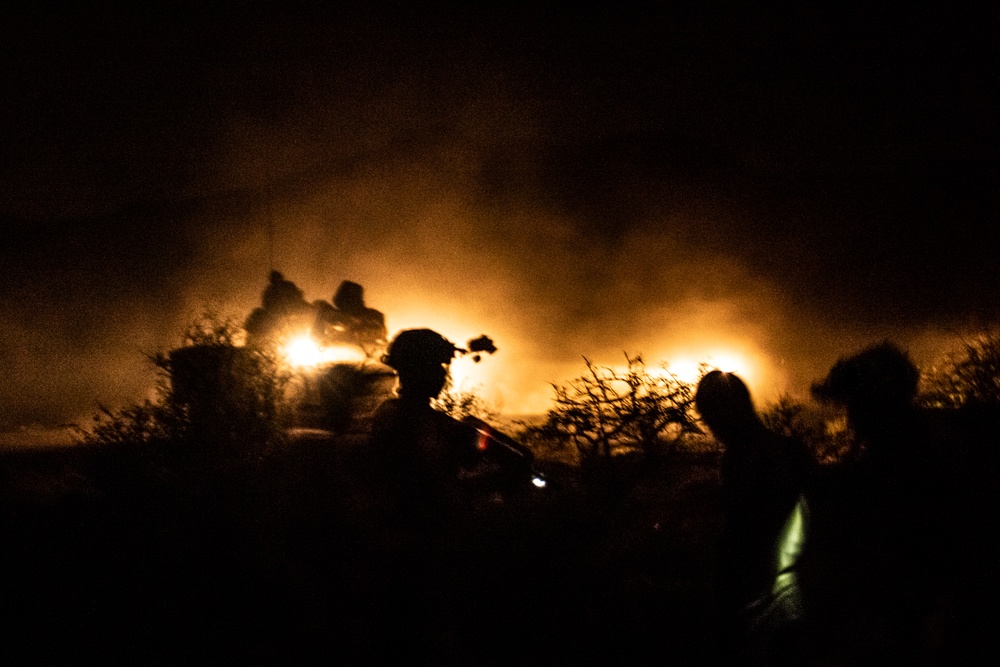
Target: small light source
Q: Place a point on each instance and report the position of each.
(538, 481)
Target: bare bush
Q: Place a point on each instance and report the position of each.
(462, 403)
(829, 442)
(210, 394)
(968, 376)
(607, 412)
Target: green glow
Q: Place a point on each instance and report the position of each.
(790, 544)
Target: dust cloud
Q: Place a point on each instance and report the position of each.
(615, 193)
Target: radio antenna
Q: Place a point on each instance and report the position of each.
(270, 238)
(269, 204)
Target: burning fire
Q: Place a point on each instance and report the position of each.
(303, 351)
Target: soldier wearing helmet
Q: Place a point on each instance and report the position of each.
(899, 553)
(420, 455)
(283, 307)
(421, 357)
(423, 451)
(435, 462)
(440, 484)
(350, 321)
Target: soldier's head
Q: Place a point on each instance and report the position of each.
(281, 293)
(349, 296)
(877, 386)
(421, 358)
(724, 403)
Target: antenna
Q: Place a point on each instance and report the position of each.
(269, 204)
(270, 237)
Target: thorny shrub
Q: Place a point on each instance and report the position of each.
(608, 411)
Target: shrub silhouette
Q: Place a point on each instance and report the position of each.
(462, 403)
(789, 417)
(606, 412)
(967, 377)
(211, 394)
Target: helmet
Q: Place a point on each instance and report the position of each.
(419, 347)
(349, 296)
(881, 375)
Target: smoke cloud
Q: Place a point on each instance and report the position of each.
(613, 191)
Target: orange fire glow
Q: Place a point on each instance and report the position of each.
(690, 368)
(303, 351)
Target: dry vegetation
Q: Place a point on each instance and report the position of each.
(194, 530)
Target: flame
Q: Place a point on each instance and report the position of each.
(303, 351)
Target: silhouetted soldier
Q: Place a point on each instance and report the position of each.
(283, 306)
(426, 460)
(884, 556)
(350, 321)
(763, 477)
(426, 452)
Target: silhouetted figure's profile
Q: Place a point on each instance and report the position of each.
(763, 475)
(282, 306)
(350, 321)
(423, 450)
(877, 387)
(425, 460)
(880, 574)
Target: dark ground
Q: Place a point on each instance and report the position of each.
(119, 558)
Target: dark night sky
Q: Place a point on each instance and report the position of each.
(790, 183)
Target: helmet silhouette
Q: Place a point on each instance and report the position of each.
(415, 348)
(881, 376)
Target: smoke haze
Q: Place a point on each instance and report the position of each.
(592, 188)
